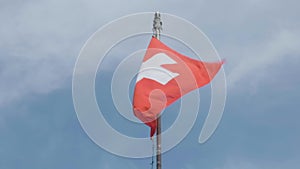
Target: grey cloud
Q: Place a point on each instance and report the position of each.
(283, 45)
(41, 39)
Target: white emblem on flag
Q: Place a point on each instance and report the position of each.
(152, 69)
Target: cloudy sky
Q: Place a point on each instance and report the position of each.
(39, 45)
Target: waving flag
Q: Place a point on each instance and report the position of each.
(165, 76)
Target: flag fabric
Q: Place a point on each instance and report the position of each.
(165, 76)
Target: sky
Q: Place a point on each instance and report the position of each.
(40, 42)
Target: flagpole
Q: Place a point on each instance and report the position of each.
(157, 28)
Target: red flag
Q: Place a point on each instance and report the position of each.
(164, 77)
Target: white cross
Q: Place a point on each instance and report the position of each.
(151, 69)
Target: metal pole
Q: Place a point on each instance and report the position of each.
(157, 27)
(158, 140)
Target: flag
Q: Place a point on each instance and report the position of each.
(165, 76)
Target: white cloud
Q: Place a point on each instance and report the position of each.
(257, 57)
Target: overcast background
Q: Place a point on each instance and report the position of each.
(39, 44)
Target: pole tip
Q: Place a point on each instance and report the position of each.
(157, 24)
